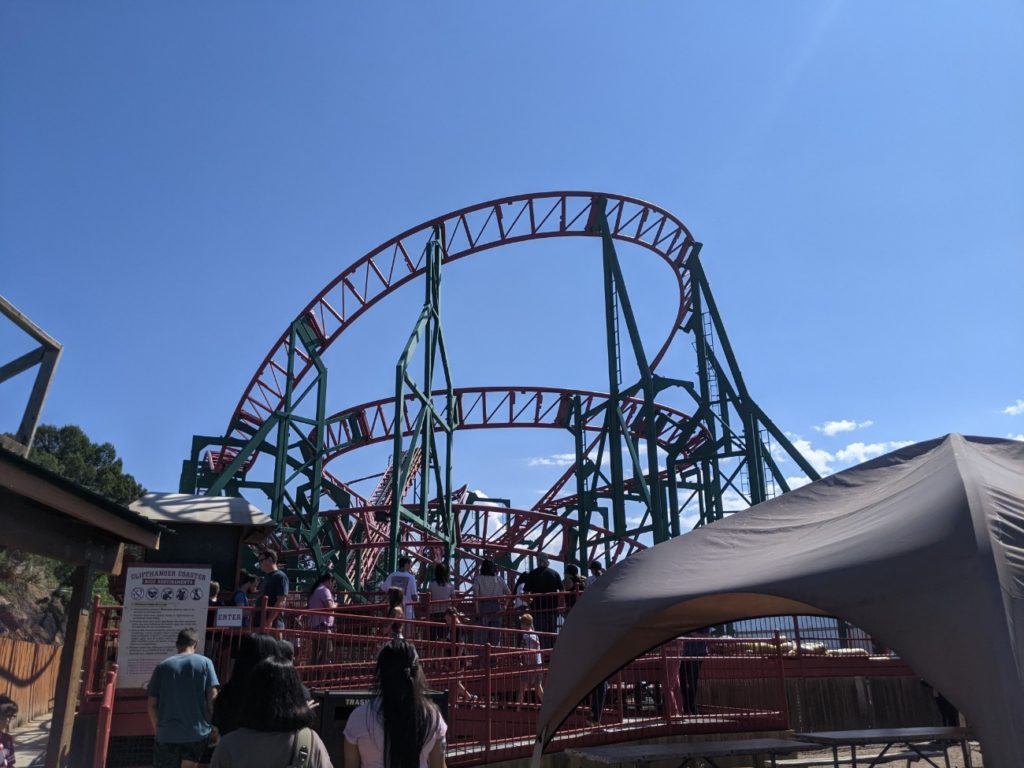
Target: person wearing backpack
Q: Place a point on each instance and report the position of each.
(275, 724)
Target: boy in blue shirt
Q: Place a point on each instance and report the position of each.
(181, 694)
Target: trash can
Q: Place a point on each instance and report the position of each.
(335, 707)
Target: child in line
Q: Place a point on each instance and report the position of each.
(531, 660)
(8, 711)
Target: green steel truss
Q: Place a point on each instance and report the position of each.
(737, 463)
(438, 520)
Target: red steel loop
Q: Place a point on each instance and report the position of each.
(467, 231)
(496, 408)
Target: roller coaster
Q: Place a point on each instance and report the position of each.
(718, 454)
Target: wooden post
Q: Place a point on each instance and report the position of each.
(69, 675)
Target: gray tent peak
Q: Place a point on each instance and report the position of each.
(923, 548)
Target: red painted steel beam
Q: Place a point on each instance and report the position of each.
(543, 527)
(467, 231)
(496, 408)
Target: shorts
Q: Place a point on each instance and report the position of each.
(169, 754)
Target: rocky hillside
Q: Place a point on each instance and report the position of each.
(33, 599)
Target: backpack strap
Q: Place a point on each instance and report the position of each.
(301, 748)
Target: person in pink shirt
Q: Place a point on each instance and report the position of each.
(322, 599)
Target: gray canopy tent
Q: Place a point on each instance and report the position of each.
(923, 548)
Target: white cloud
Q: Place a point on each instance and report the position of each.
(732, 501)
(820, 459)
(855, 453)
(1014, 410)
(687, 522)
(797, 482)
(831, 428)
(554, 460)
(1016, 437)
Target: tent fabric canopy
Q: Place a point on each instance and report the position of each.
(923, 548)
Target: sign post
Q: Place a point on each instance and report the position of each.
(159, 602)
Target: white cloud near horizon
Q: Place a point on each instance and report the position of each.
(1014, 410)
(853, 453)
(1016, 437)
(818, 458)
(832, 428)
(554, 460)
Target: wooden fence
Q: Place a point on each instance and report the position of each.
(28, 674)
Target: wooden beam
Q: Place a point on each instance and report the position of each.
(34, 407)
(65, 699)
(27, 325)
(31, 527)
(23, 363)
(23, 483)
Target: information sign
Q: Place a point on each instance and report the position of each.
(159, 602)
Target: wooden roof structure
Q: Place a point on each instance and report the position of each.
(45, 514)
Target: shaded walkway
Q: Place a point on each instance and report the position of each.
(30, 741)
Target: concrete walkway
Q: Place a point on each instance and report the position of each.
(30, 742)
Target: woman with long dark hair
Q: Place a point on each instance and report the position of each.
(227, 707)
(396, 610)
(275, 724)
(399, 727)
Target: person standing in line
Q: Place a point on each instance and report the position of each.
(545, 583)
(247, 585)
(181, 692)
(399, 727)
(596, 572)
(695, 649)
(532, 660)
(227, 707)
(405, 579)
(521, 602)
(8, 711)
(574, 586)
(396, 611)
(322, 599)
(275, 724)
(274, 588)
(488, 587)
(441, 591)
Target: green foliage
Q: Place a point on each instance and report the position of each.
(69, 452)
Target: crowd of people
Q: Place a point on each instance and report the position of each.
(262, 714)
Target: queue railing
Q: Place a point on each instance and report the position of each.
(492, 682)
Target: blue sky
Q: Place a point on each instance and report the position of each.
(177, 180)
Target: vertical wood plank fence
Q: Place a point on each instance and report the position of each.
(28, 674)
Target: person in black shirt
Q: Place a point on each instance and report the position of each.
(274, 587)
(542, 581)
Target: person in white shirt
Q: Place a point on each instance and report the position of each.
(405, 580)
(531, 660)
(488, 587)
(399, 727)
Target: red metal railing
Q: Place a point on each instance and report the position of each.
(105, 719)
(492, 686)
